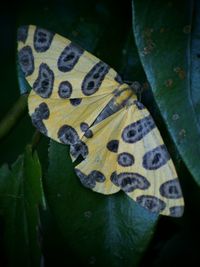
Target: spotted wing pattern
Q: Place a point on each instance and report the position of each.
(145, 170)
(103, 146)
(74, 101)
(135, 161)
(57, 68)
(66, 120)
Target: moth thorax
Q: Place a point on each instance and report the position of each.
(123, 94)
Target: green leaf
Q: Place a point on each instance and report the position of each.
(20, 195)
(101, 230)
(169, 53)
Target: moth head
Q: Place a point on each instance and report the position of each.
(136, 86)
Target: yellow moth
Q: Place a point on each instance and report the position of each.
(78, 100)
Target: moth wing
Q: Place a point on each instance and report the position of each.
(145, 170)
(66, 120)
(95, 171)
(70, 86)
(58, 68)
(128, 152)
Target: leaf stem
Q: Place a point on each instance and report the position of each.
(35, 139)
(13, 115)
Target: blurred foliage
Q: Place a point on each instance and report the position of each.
(21, 194)
(79, 226)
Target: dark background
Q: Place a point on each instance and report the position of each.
(106, 30)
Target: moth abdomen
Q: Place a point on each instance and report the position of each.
(123, 96)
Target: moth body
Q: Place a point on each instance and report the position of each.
(123, 96)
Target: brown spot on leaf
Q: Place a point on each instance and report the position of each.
(175, 116)
(149, 45)
(182, 133)
(169, 83)
(181, 73)
(149, 48)
(147, 32)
